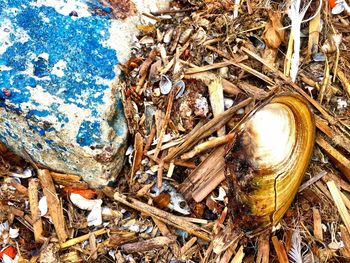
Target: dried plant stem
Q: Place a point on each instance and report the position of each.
(238, 258)
(208, 145)
(333, 134)
(319, 107)
(346, 83)
(165, 123)
(346, 240)
(325, 83)
(263, 249)
(19, 187)
(242, 66)
(149, 140)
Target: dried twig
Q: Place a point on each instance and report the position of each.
(146, 245)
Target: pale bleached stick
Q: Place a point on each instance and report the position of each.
(338, 201)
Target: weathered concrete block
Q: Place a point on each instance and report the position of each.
(59, 96)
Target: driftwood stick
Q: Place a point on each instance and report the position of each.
(147, 245)
(336, 195)
(318, 232)
(340, 161)
(70, 180)
(159, 214)
(54, 204)
(82, 238)
(34, 208)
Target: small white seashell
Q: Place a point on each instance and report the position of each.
(14, 233)
(165, 85)
(168, 35)
(43, 206)
(94, 218)
(228, 103)
(27, 173)
(338, 9)
(83, 203)
(146, 40)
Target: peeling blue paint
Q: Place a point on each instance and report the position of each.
(56, 72)
(76, 42)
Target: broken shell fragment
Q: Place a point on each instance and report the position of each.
(165, 85)
(185, 35)
(180, 88)
(267, 161)
(168, 35)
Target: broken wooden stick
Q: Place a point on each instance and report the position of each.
(340, 161)
(336, 195)
(138, 148)
(206, 177)
(147, 245)
(82, 238)
(318, 232)
(54, 204)
(34, 208)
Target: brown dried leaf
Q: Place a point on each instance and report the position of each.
(273, 35)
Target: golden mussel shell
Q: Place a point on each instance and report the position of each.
(267, 161)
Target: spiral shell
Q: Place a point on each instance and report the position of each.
(267, 161)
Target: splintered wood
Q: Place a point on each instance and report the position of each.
(54, 204)
(336, 195)
(146, 245)
(34, 208)
(206, 177)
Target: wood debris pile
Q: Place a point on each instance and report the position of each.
(196, 71)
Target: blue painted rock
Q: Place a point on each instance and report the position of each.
(59, 87)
